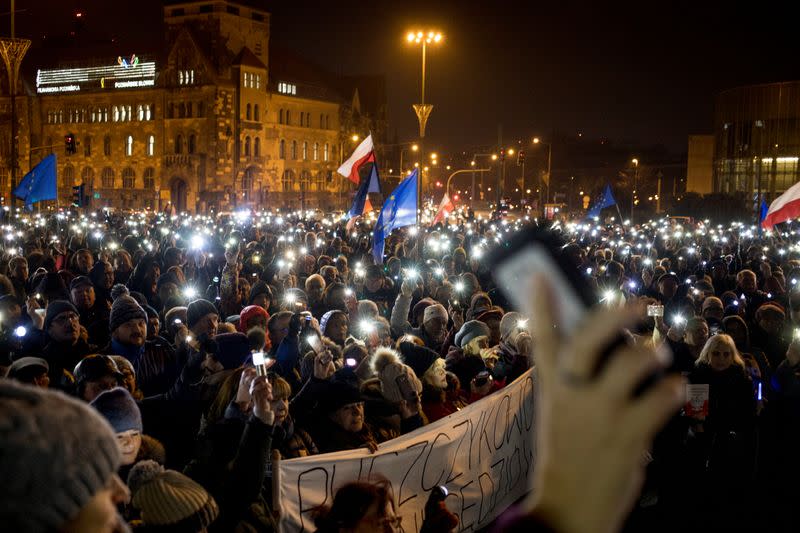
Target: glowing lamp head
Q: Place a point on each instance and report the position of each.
(20, 331)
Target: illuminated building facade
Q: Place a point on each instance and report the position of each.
(216, 120)
(757, 139)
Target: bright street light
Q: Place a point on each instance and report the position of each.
(494, 157)
(414, 147)
(510, 151)
(434, 155)
(472, 163)
(536, 140)
(635, 162)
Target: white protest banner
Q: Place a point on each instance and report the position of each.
(483, 454)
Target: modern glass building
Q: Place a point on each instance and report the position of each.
(757, 139)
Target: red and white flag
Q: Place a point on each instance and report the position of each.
(445, 208)
(364, 153)
(784, 207)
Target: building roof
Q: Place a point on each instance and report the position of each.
(247, 58)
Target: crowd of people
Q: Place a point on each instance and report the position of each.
(212, 346)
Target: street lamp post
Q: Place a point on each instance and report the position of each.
(473, 170)
(537, 140)
(635, 180)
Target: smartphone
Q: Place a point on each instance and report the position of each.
(758, 392)
(262, 363)
(407, 391)
(655, 310)
(537, 250)
(315, 343)
(350, 361)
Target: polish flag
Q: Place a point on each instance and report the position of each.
(784, 207)
(445, 208)
(364, 153)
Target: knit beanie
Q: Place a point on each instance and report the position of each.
(419, 358)
(323, 323)
(57, 454)
(388, 367)
(54, 309)
(170, 499)
(470, 330)
(434, 311)
(118, 290)
(233, 349)
(197, 310)
(259, 287)
(334, 395)
(123, 309)
(510, 322)
(120, 409)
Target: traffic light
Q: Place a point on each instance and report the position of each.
(502, 154)
(521, 158)
(77, 195)
(70, 146)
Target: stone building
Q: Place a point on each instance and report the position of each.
(215, 119)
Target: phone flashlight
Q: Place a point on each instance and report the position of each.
(348, 291)
(350, 361)
(260, 363)
(758, 394)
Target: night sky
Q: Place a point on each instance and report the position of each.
(638, 73)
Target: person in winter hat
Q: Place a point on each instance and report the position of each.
(169, 500)
(202, 318)
(58, 465)
(430, 368)
(471, 330)
(120, 409)
(400, 390)
(30, 370)
(252, 316)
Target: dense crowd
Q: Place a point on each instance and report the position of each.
(213, 346)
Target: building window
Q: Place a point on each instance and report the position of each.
(68, 176)
(189, 110)
(128, 179)
(256, 113)
(316, 151)
(305, 150)
(280, 116)
(87, 146)
(87, 177)
(149, 179)
(247, 79)
(327, 122)
(192, 145)
(325, 154)
(247, 114)
(186, 77)
(257, 147)
(286, 180)
(200, 109)
(282, 149)
(287, 88)
(182, 110)
(294, 150)
(140, 112)
(151, 145)
(116, 114)
(247, 146)
(319, 182)
(107, 145)
(108, 178)
(129, 145)
(179, 144)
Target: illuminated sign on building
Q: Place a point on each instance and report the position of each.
(127, 73)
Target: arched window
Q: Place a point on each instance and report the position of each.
(129, 145)
(288, 118)
(256, 113)
(87, 177)
(140, 112)
(192, 145)
(68, 176)
(321, 121)
(247, 146)
(128, 178)
(282, 149)
(294, 150)
(87, 146)
(257, 147)
(280, 116)
(151, 145)
(247, 112)
(179, 144)
(116, 114)
(286, 180)
(305, 150)
(108, 178)
(189, 110)
(149, 179)
(107, 145)
(316, 151)
(325, 154)
(305, 180)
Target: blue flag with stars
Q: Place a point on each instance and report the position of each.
(399, 210)
(39, 184)
(607, 200)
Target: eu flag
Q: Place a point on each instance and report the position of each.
(399, 210)
(607, 200)
(39, 184)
